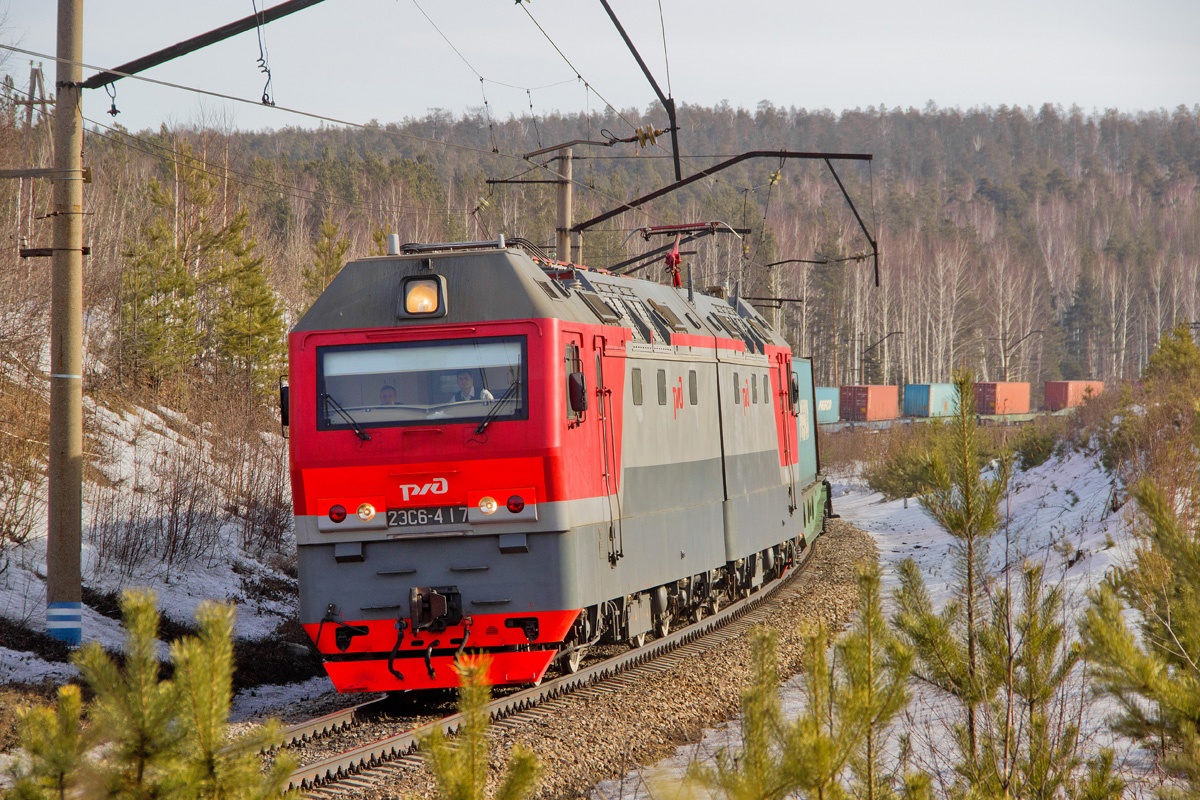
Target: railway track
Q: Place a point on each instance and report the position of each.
(348, 769)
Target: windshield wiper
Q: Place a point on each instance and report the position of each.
(358, 429)
(491, 415)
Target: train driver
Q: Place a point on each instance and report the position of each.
(466, 389)
(387, 395)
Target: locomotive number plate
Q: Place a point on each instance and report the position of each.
(434, 515)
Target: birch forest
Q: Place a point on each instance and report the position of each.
(1027, 244)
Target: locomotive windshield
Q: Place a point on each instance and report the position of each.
(421, 383)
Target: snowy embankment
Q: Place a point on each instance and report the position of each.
(135, 444)
(1059, 515)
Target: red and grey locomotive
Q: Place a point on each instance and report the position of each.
(495, 452)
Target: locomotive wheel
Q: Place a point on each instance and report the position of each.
(662, 626)
(573, 660)
(638, 640)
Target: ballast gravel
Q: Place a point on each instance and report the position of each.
(593, 736)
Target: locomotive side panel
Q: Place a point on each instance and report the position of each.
(672, 485)
(758, 488)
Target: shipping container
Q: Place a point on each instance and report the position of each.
(930, 399)
(869, 403)
(1002, 397)
(1068, 394)
(828, 405)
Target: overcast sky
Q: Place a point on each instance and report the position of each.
(359, 60)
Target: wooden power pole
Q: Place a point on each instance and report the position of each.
(63, 586)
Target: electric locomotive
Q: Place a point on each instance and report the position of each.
(495, 452)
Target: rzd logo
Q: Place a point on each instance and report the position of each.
(435, 486)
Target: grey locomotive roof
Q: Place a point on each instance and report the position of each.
(500, 284)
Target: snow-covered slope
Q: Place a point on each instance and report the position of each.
(1059, 515)
(133, 446)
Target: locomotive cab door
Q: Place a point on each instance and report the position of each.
(608, 458)
(787, 412)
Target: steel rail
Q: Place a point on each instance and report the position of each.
(390, 748)
(332, 722)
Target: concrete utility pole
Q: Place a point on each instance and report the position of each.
(63, 589)
(562, 233)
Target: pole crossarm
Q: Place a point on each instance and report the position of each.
(249, 23)
(881, 341)
(51, 172)
(1014, 345)
(553, 147)
(705, 173)
(857, 216)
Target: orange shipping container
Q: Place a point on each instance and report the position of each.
(867, 403)
(1000, 397)
(1068, 394)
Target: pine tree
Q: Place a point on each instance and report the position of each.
(757, 770)
(53, 742)
(378, 242)
(835, 747)
(159, 314)
(155, 739)
(214, 765)
(967, 507)
(1175, 359)
(249, 325)
(329, 253)
(1002, 657)
(875, 666)
(1153, 677)
(461, 766)
(134, 711)
(195, 299)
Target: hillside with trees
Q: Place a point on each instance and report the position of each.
(1032, 244)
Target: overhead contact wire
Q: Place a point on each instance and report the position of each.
(666, 57)
(310, 115)
(578, 74)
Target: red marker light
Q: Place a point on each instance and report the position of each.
(337, 513)
(516, 504)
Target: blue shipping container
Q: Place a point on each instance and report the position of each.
(828, 404)
(930, 400)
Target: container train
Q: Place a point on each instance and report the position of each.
(495, 452)
(996, 401)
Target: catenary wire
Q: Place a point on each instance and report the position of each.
(172, 156)
(578, 74)
(256, 103)
(323, 118)
(666, 58)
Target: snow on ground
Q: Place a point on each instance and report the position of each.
(130, 441)
(1059, 516)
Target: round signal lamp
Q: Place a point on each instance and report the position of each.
(488, 505)
(516, 504)
(366, 512)
(337, 513)
(421, 297)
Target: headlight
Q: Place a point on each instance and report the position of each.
(421, 297)
(365, 512)
(488, 505)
